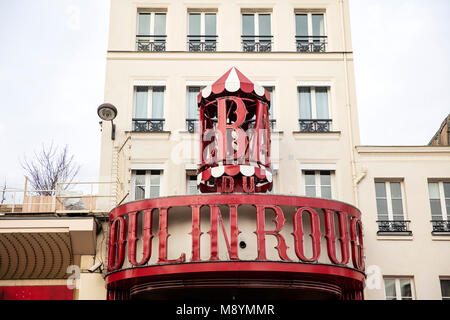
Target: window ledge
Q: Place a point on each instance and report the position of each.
(316, 135)
(407, 235)
(436, 235)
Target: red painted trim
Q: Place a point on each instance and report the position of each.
(237, 199)
(231, 266)
(36, 293)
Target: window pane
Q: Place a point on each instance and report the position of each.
(160, 24)
(310, 178)
(405, 288)
(264, 25)
(447, 189)
(248, 25)
(210, 24)
(155, 178)
(318, 27)
(144, 24)
(322, 103)
(380, 190)
(310, 191)
(396, 191)
(270, 90)
(158, 103)
(140, 110)
(192, 112)
(433, 190)
(139, 193)
(140, 178)
(445, 288)
(194, 24)
(397, 208)
(382, 209)
(325, 192)
(154, 191)
(436, 210)
(304, 100)
(325, 178)
(301, 25)
(389, 286)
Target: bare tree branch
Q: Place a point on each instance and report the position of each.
(48, 167)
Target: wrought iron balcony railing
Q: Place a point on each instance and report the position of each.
(148, 125)
(311, 43)
(151, 43)
(393, 226)
(257, 43)
(202, 43)
(315, 125)
(441, 225)
(192, 125)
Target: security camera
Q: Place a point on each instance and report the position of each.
(95, 267)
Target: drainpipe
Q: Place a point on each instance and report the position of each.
(349, 107)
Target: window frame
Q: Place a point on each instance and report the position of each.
(148, 185)
(202, 14)
(441, 279)
(387, 185)
(442, 198)
(309, 14)
(149, 100)
(189, 174)
(152, 21)
(318, 185)
(398, 293)
(312, 91)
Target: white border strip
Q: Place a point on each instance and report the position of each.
(147, 166)
(318, 166)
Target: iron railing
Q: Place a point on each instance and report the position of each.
(192, 125)
(148, 125)
(441, 225)
(311, 43)
(202, 43)
(393, 226)
(315, 125)
(257, 43)
(151, 43)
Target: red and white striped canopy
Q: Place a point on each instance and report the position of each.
(232, 81)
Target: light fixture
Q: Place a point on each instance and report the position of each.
(108, 112)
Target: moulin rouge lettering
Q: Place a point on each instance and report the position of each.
(123, 236)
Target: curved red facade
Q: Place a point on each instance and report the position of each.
(319, 247)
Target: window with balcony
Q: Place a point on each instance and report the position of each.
(398, 289)
(151, 31)
(445, 289)
(148, 109)
(202, 32)
(318, 183)
(389, 199)
(192, 121)
(314, 109)
(146, 184)
(310, 32)
(191, 182)
(256, 32)
(439, 192)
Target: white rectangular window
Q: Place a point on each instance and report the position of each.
(192, 117)
(439, 192)
(256, 32)
(151, 31)
(271, 91)
(389, 200)
(313, 103)
(398, 288)
(310, 32)
(146, 184)
(191, 182)
(445, 289)
(202, 31)
(318, 183)
(148, 108)
(151, 23)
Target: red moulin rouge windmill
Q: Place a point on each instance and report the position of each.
(234, 136)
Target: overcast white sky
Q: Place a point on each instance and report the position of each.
(52, 70)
